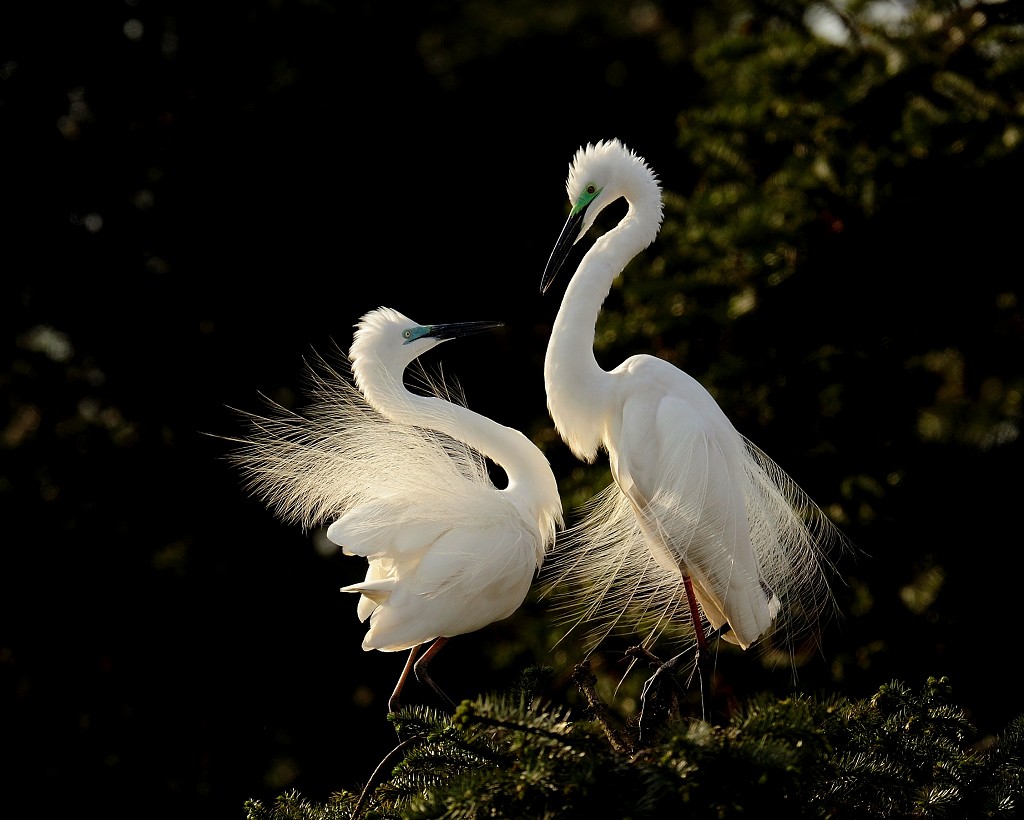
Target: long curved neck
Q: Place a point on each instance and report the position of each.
(573, 378)
(529, 475)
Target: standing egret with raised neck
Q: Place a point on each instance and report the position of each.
(402, 480)
(698, 519)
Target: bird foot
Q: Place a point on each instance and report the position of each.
(658, 699)
(637, 653)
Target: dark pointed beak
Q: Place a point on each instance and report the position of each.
(570, 233)
(454, 330)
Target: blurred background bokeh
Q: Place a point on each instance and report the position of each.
(194, 199)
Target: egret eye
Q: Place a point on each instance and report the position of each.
(406, 334)
(591, 189)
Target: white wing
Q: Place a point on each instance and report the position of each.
(684, 474)
(691, 495)
(432, 577)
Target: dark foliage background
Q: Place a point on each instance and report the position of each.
(194, 198)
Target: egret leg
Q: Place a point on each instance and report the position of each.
(698, 624)
(393, 702)
(651, 695)
(673, 662)
(420, 668)
(700, 652)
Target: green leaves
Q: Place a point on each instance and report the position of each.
(900, 753)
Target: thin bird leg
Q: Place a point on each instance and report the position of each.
(672, 662)
(420, 668)
(702, 642)
(656, 703)
(698, 625)
(393, 703)
(700, 655)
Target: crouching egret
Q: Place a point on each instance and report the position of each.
(402, 479)
(698, 519)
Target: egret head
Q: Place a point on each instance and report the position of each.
(599, 174)
(393, 341)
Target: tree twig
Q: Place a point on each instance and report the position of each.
(585, 680)
(378, 773)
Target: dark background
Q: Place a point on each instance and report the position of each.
(193, 201)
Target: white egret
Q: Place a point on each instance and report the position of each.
(698, 519)
(402, 480)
